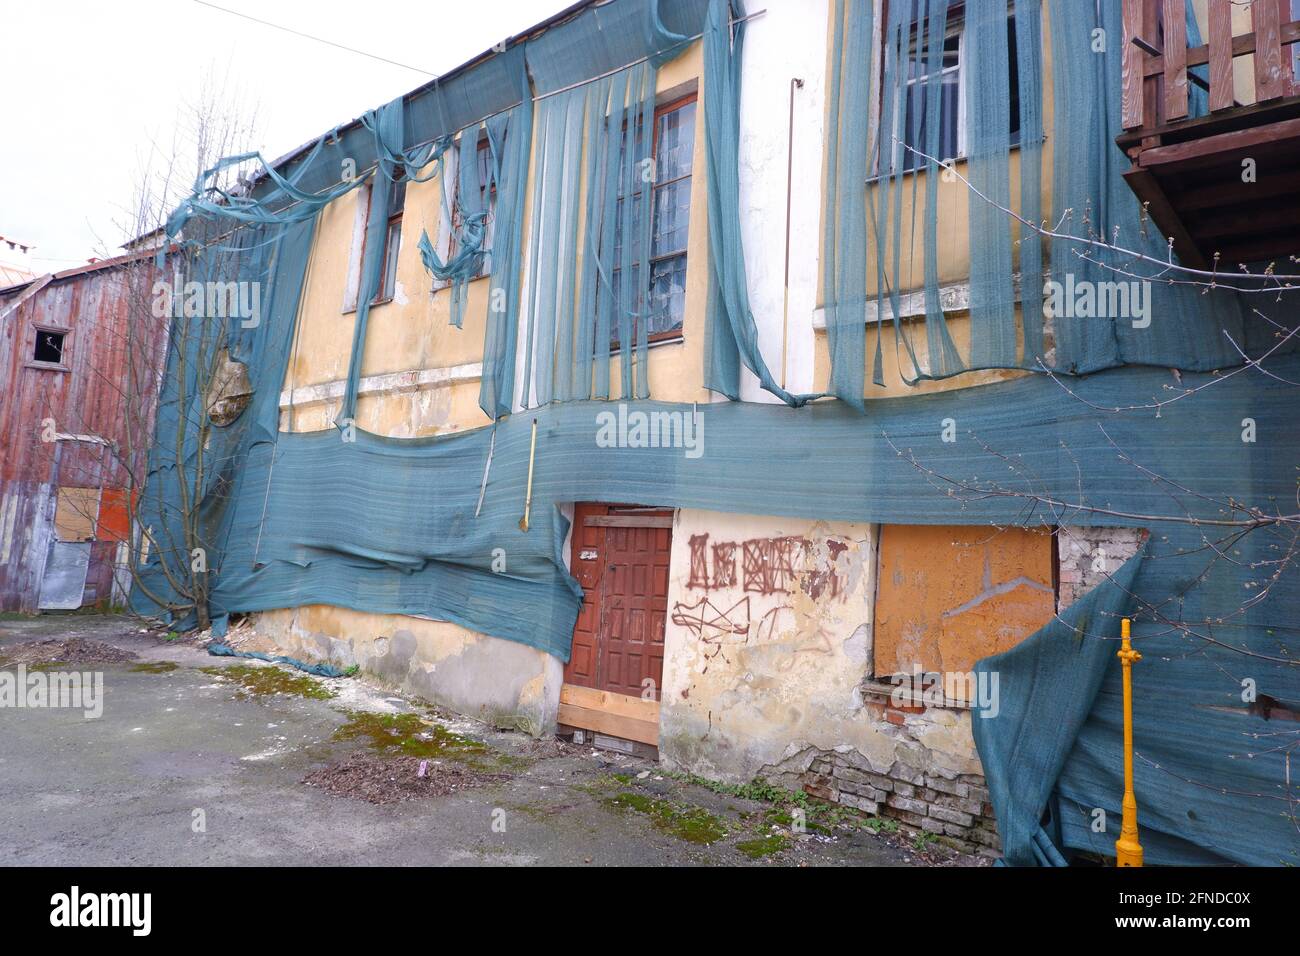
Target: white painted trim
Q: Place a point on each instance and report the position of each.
(360, 220)
(954, 298)
(391, 383)
(448, 188)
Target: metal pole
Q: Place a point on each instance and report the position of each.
(795, 83)
(1128, 851)
(528, 497)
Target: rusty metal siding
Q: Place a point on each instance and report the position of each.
(94, 306)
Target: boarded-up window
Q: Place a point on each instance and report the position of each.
(950, 595)
(76, 514)
(114, 516)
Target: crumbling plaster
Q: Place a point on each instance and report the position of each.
(503, 683)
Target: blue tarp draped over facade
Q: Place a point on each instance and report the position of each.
(395, 526)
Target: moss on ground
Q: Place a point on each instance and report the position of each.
(269, 681)
(153, 667)
(760, 847)
(414, 736)
(693, 824)
(407, 734)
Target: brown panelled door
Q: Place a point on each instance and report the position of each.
(620, 557)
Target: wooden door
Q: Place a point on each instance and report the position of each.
(620, 557)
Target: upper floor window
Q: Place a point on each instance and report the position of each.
(911, 118)
(487, 188)
(674, 150)
(661, 300)
(393, 235)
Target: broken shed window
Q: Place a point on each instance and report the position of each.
(49, 347)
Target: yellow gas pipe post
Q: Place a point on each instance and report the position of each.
(1128, 851)
(528, 497)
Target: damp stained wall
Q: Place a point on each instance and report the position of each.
(502, 683)
(767, 640)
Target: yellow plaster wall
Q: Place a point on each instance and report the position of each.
(412, 331)
(953, 252)
(895, 359)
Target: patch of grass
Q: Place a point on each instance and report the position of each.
(692, 824)
(760, 847)
(812, 821)
(880, 825)
(267, 681)
(409, 735)
(923, 840)
(818, 815)
(153, 667)
(351, 670)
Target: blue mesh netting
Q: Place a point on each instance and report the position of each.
(396, 525)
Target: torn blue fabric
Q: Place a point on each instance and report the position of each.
(1046, 687)
(320, 670)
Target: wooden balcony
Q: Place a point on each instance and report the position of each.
(1191, 171)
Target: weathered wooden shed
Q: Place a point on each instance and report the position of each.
(79, 359)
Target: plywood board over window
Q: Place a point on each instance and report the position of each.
(950, 595)
(77, 514)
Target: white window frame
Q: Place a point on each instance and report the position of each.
(451, 174)
(360, 221)
(896, 155)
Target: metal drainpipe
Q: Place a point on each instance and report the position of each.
(795, 83)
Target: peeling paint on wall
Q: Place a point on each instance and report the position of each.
(768, 639)
(503, 683)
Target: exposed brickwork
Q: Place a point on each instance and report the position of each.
(933, 784)
(955, 809)
(1088, 555)
(915, 790)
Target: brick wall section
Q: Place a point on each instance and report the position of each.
(1083, 553)
(952, 806)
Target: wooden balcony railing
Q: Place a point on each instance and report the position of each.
(1222, 185)
(1158, 62)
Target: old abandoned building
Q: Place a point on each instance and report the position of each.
(803, 393)
(82, 379)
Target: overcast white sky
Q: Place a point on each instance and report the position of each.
(91, 85)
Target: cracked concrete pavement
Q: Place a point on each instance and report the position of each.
(124, 789)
